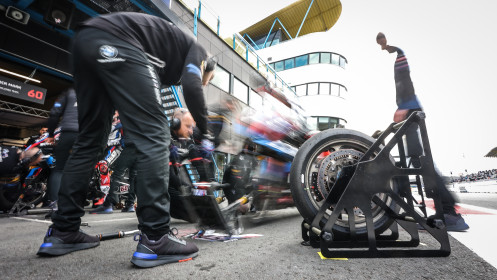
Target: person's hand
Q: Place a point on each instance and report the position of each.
(50, 140)
(208, 137)
(173, 152)
(400, 115)
(207, 145)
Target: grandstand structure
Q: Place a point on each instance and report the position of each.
(294, 42)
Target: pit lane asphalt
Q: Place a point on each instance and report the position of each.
(276, 255)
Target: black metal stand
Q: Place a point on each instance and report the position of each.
(359, 186)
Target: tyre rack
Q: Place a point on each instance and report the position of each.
(349, 192)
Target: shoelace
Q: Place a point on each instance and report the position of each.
(173, 232)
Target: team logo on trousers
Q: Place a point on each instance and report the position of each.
(108, 51)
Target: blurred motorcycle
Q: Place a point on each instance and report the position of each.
(27, 188)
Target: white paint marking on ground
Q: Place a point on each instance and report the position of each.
(478, 208)
(50, 222)
(32, 220)
(480, 237)
(112, 220)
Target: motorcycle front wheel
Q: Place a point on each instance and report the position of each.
(315, 169)
(9, 193)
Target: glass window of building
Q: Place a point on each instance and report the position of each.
(255, 100)
(335, 59)
(335, 89)
(326, 123)
(323, 123)
(278, 66)
(312, 123)
(221, 79)
(301, 60)
(325, 57)
(301, 90)
(313, 58)
(272, 65)
(324, 88)
(240, 90)
(333, 122)
(289, 63)
(312, 89)
(342, 62)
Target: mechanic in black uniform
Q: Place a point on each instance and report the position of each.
(64, 114)
(182, 126)
(32, 139)
(123, 59)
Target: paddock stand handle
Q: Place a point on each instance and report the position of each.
(119, 234)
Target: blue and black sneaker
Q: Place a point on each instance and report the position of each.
(455, 222)
(57, 243)
(102, 209)
(128, 208)
(167, 249)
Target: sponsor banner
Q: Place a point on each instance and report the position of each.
(13, 88)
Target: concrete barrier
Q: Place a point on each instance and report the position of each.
(487, 186)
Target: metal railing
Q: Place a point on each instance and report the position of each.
(239, 45)
(25, 110)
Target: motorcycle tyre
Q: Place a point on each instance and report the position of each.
(301, 198)
(9, 196)
(7, 201)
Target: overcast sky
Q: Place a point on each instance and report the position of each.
(451, 48)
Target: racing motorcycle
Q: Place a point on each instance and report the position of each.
(263, 180)
(252, 185)
(27, 189)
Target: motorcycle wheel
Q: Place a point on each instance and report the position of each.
(9, 196)
(35, 192)
(327, 152)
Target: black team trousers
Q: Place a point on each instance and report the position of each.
(109, 74)
(63, 150)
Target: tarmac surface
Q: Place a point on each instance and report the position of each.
(277, 254)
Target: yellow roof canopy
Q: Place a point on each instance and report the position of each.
(492, 153)
(322, 15)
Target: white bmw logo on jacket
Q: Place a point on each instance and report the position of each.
(108, 51)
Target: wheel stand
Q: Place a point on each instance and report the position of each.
(359, 185)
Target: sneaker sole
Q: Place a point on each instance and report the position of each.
(101, 213)
(51, 249)
(458, 228)
(155, 260)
